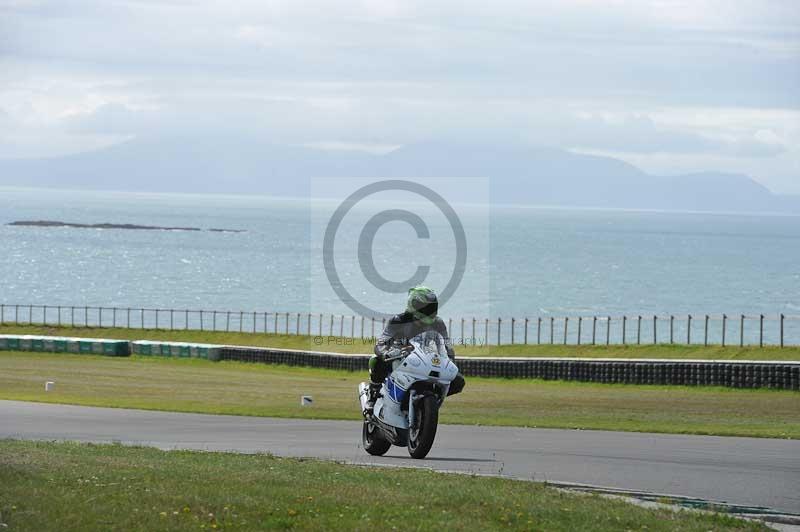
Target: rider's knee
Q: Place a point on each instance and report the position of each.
(456, 385)
(377, 369)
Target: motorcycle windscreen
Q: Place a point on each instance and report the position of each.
(431, 343)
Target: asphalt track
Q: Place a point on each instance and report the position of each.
(741, 471)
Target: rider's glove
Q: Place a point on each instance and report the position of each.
(392, 353)
(396, 352)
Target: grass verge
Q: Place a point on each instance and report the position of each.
(192, 385)
(67, 486)
(340, 345)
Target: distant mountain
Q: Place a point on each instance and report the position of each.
(518, 174)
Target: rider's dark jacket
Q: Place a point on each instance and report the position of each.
(404, 327)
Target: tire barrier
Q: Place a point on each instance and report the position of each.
(290, 357)
(784, 375)
(60, 344)
(176, 349)
(732, 374)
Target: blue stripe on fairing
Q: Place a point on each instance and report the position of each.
(396, 393)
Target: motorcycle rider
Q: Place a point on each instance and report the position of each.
(421, 315)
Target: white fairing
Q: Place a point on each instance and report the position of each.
(428, 358)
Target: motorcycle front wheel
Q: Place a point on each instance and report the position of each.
(421, 435)
(374, 444)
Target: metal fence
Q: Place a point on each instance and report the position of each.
(693, 329)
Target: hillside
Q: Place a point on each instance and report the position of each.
(518, 174)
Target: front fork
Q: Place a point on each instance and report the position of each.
(412, 398)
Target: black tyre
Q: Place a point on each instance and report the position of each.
(374, 444)
(422, 434)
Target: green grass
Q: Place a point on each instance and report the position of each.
(68, 486)
(192, 385)
(338, 345)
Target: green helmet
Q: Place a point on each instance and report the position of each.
(423, 304)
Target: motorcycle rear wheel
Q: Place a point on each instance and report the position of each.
(374, 444)
(421, 436)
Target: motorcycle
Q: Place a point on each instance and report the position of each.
(406, 412)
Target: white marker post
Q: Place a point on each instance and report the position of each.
(306, 400)
(49, 385)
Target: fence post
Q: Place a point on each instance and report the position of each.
(526, 331)
(594, 329)
(30, 314)
(705, 339)
(16, 314)
(171, 319)
(362, 328)
(308, 324)
(486, 331)
(580, 321)
(566, 328)
(128, 319)
(373, 327)
(689, 330)
(330, 326)
(320, 325)
(100, 318)
(44, 315)
(761, 331)
(202, 324)
(655, 330)
(141, 317)
(101, 314)
(499, 321)
(297, 325)
(341, 326)
(473, 331)
(513, 320)
(538, 331)
(228, 321)
(741, 331)
(724, 323)
(59, 315)
(624, 327)
(782, 330)
(639, 330)
(255, 320)
(2, 314)
(608, 331)
(552, 329)
(462, 331)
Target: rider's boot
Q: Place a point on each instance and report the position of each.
(374, 392)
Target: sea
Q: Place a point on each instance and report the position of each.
(516, 261)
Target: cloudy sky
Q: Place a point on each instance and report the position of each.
(672, 86)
